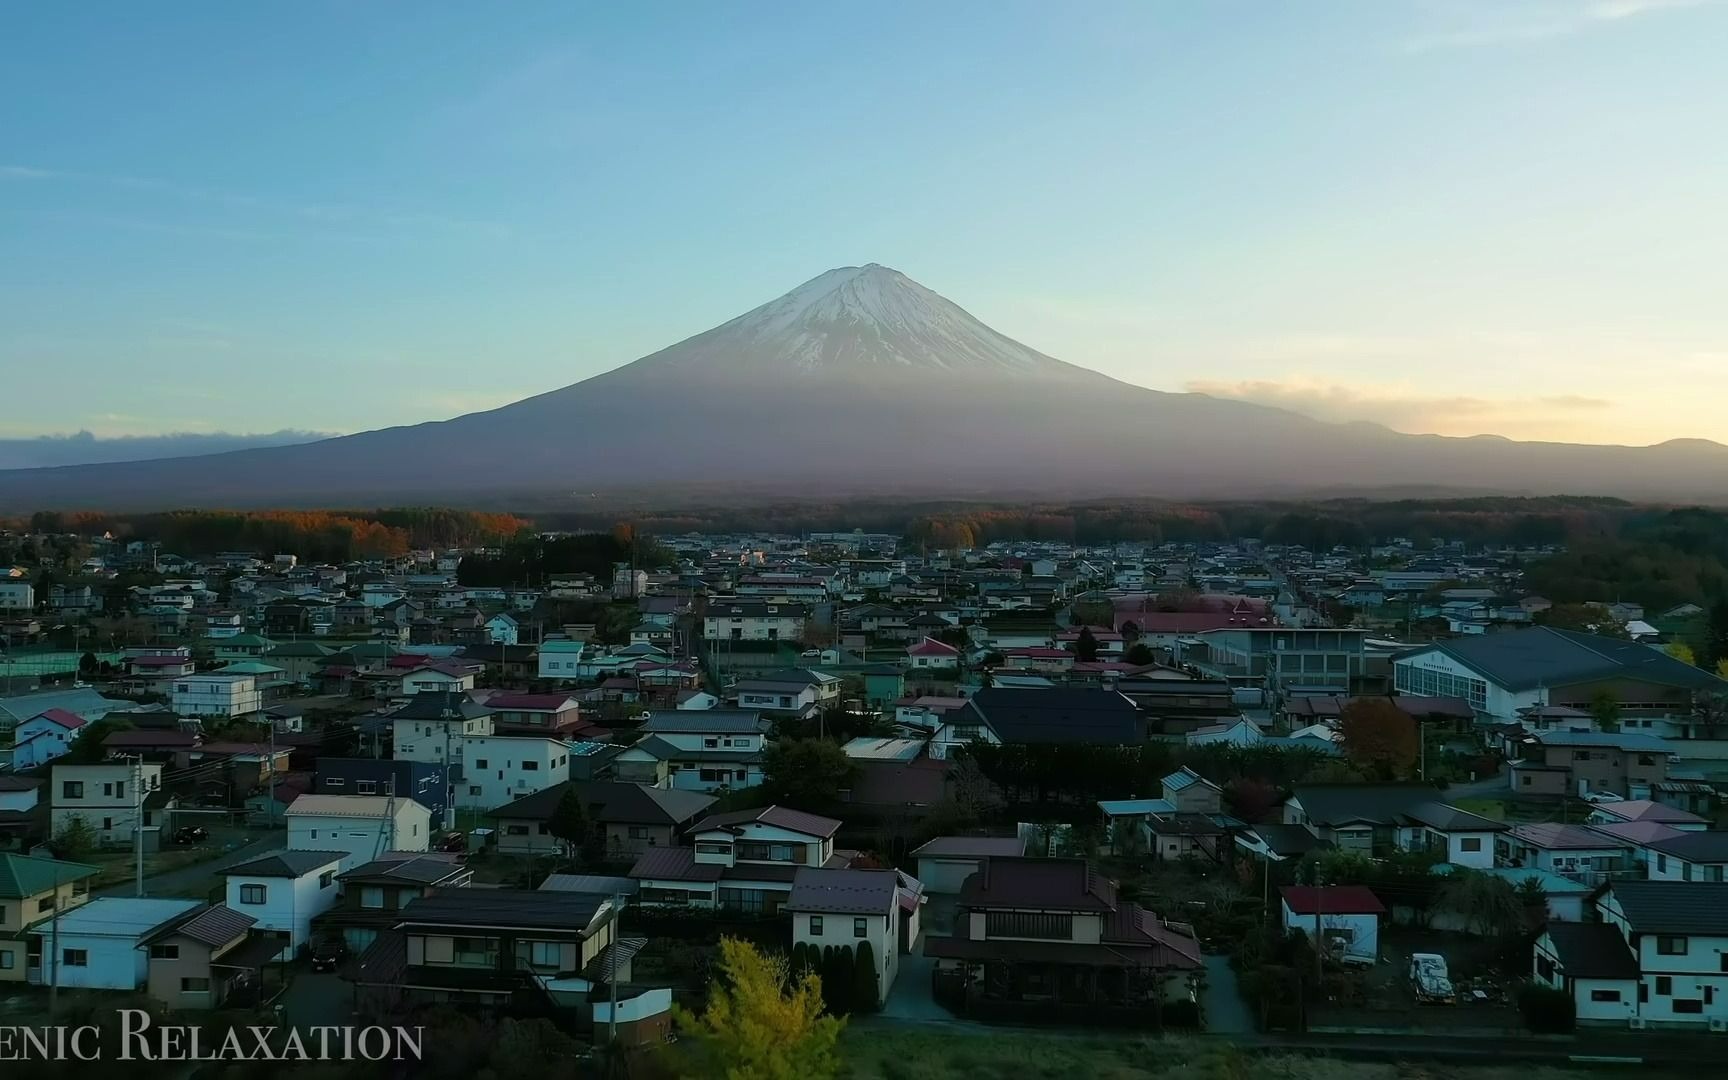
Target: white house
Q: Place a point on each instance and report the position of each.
(697, 701)
(108, 798)
(698, 750)
(44, 737)
(1654, 960)
(739, 861)
(215, 695)
(432, 728)
(847, 908)
(1346, 916)
(96, 946)
(284, 891)
(945, 862)
(17, 595)
(932, 655)
(363, 826)
(441, 677)
(560, 658)
(503, 629)
(497, 769)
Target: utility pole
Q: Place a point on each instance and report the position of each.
(54, 950)
(271, 765)
(612, 975)
(137, 823)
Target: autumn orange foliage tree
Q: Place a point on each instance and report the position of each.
(1378, 737)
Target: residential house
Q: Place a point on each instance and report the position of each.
(1375, 818)
(503, 629)
(215, 695)
(753, 620)
(850, 908)
(930, 655)
(1284, 660)
(697, 751)
(23, 814)
(491, 947)
(199, 960)
(1688, 856)
(999, 716)
(364, 826)
(114, 799)
(100, 945)
(742, 861)
(945, 862)
(1579, 763)
(1654, 959)
(31, 891)
(370, 895)
(427, 784)
(432, 727)
(632, 817)
(1050, 940)
(560, 658)
(441, 677)
(498, 768)
(789, 694)
(1502, 674)
(44, 737)
(1346, 917)
(17, 595)
(555, 715)
(283, 892)
(1590, 855)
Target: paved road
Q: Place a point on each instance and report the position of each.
(1226, 1012)
(317, 999)
(1489, 787)
(181, 877)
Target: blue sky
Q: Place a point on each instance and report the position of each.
(1481, 215)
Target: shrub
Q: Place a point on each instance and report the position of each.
(1547, 1011)
(1183, 1015)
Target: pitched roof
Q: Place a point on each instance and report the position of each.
(1645, 810)
(612, 801)
(22, 875)
(932, 647)
(1327, 805)
(427, 868)
(1061, 884)
(349, 806)
(288, 863)
(1673, 907)
(1546, 656)
(1696, 847)
(1592, 951)
(440, 705)
(215, 925)
(165, 740)
(1058, 716)
(567, 911)
(970, 847)
(1332, 900)
(1555, 836)
(674, 864)
(529, 702)
(844, 892)
(67, 720)
(705, 721)
(778, 816)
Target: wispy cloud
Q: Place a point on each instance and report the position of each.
(85, 448)
(1405, 408)
(1471, 23)
(285, 212)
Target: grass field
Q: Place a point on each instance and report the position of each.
(880, 1053)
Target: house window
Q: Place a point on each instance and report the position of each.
(1664, 985)
(75, 957)
(1029, 925)
(1580, 755)
(1670, 945)
(326, 879)
(439, 950)
(638, 832)
(45, 904)
(1470, 843)
(164, 952)
(6, 960)
(479, 763)
(1687, 1005)
(1604, 995)
(476, 952)
(366, 787)
(1545, 968)
(860, 927)
(710, 743)
(1661, 863)
(816, 929)
(473, 789)
(252, 894)
(1524, 781)
(334, 781)
(545, 954)
(1646, 759)
(194, 986)
(515, 830)
(72, 789)
(372, 896)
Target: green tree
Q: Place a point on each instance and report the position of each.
(837, 980)
(807, 774)
(866, 981)
(1086, 645)
(1378, 737)
(758, 1025)
(75, 841)
(87, 748)
(1489, 905)
(1139, 655)
(1605, 707)
(569, 822)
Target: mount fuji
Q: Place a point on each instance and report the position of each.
(863, 382)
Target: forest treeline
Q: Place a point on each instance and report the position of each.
(315, 535)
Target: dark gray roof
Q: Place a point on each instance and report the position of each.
(970, 847)
(1438, 815)
(1052, 884)
(1592, 951)
(434, 704)
(1546, 656)
(426, 869)
(844, 892)
(290, 863)
(612, 801)
(1674, 907)
(566, 911)
(778, 816)
(664, 751)
(1696, 847)
(792, 677)
(215, 925)
(1287, 839)
(1057, 716)
(705, 721)
(1327, 805)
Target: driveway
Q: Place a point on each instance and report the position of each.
(185, 876)
(1489, 787)
(1226, 1012)
(913, 997)
(317, 999)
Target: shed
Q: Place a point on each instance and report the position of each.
(1347, 916)
(946, 862)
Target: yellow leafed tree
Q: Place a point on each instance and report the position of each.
(759, 1024)
(1680, 651)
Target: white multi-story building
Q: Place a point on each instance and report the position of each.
(109, 797)
(284, 891)
(497, 769)
(753, 620)
(17, 595)
(215, 695)
(363, 827)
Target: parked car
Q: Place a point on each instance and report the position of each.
(454, 842)
(191, 834)
(1429, 979)
(1602, 797)
(328, 954)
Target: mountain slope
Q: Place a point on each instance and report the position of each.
(861, 381)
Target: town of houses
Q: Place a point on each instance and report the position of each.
(401, 751)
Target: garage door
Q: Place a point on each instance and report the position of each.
(945, 875)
